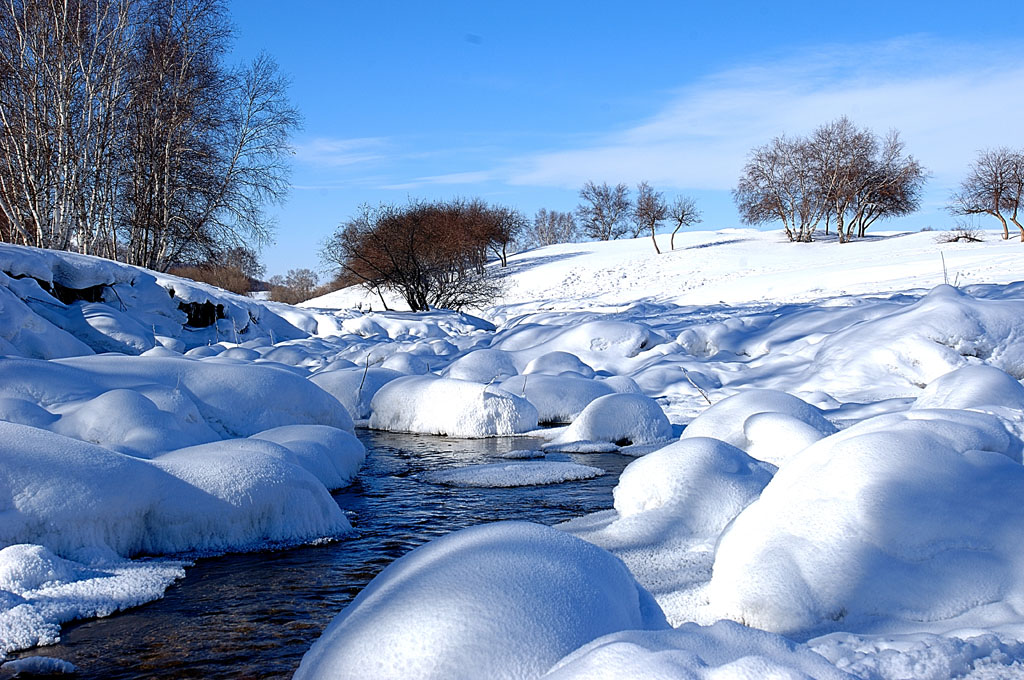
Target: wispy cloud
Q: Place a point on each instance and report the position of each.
(329, 152)
(475, 177)
(948, 101)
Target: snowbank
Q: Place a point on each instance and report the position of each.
(483, 366)
(514, 474)
(503, 600)
(907, 518)
(457, 408)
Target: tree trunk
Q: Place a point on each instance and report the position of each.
(655, 241)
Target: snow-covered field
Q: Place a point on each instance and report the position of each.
(847, 506)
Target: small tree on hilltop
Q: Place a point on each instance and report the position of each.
(432, 254)
(994, 184)
(683, 213)
(649, 211)
(604, 210)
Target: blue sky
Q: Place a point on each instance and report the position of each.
(521, 102)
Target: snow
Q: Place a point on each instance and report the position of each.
(514, 474)
(457, 408)
(622, 419)
(723, 650)
(558, 398)
(853, 486)
(39, 665)
(504, 600)
(767, 424)
(902, 520)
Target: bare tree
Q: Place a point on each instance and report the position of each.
(604, 210)
(778, 185)
(298, 285)
(124, 134)
(649, 211)
(683, 213)
(548, 228)
(432, 254)
(991, 187)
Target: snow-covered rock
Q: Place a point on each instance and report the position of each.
(505, 600)
(621, 419)
(908, 517)
(457, 408)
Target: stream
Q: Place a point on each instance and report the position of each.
(254, 615)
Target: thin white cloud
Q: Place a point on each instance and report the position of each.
(947, 101)
(326, 151)
(475, 177)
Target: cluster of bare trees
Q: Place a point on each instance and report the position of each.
(124, 134)
(608, 212)
(433, 254)
(840, 175)
(994, 185)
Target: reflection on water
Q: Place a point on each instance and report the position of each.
(255, 615)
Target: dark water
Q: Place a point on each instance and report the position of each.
(255, 615)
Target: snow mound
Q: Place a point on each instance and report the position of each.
(702, 483)
(406, 363)
(915, 344)
(767, 424)
(503, 600)
(972, 387)
(503, 475)
(354, 388)
(902, 518)
(232, 495)
(558, 398)
(483, 366)
(457, 408)
(622, 419)
(555, 363)
(670, 507)
(333, 456)
(723, 650)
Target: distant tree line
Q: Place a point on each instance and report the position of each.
(124, 134)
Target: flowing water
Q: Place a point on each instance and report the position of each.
(254, 615)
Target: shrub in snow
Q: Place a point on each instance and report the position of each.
(503, 600)
(554, 363)
(457, 408)
(502, 475)
(972, 387)
(905, 517)
(558, 398)
(483, 366)
(354, 388)
(723, 650)
(622, 419)
(767, 424)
